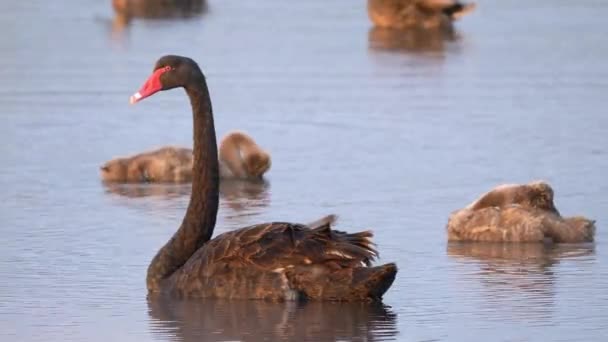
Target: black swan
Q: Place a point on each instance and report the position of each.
(274, 261)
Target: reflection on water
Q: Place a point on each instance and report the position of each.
(230, 190)
(532, 254)
(244, 198)
(413, 40)
(241, 199)
(518, 279)
(216, 320)
(391, 140)
(136, 190)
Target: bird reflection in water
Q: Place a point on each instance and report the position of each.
(126, 10)
(239, 199)
(519, 277)
(243, 320)
(138, 190)
(413, 40)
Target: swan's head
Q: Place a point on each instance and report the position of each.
(114, 170)
(542, 196)
(169, 72)
(258, 163)
(582, 226)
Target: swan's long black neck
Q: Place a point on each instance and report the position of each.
(199, 221)
(204, 199)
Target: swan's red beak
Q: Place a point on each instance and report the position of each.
(150, 87)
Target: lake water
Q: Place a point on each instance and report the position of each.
(390, 133)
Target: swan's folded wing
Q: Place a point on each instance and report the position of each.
(286, 245)
(277, 245)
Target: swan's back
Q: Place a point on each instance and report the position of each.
(409, 14)
(509, 224)
(399, 14)
(537, 194)
(165, 164)
(516, 223)
(284, 261)
(159, 8)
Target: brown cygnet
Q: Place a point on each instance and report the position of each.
(239, 155)
(166, 164)
(420, 14)
(518, 213)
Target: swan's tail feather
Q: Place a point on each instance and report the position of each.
(336, 265)
(373, 282)
(361, 284)
(354, 247)
(344, 285)
(323, 222)
(458, 10)
(362, 242)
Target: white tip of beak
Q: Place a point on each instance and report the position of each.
(134, 98)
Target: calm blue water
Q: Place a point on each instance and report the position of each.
(389, 133)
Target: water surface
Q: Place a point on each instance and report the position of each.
(389, 132)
